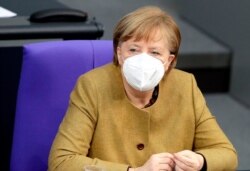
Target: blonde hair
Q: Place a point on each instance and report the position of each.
(142, 24)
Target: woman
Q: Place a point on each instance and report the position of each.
(139, 113)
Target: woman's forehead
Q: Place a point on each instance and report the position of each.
(156, 36)
(153, 42)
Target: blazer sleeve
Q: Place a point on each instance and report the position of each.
(210, 140)
(72, 142)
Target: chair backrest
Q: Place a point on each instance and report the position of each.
(49, 73)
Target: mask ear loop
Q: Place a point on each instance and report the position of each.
(123, 59)
(164, 65)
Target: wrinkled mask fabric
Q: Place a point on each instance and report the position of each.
(143, 72)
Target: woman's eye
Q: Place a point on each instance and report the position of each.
(132, 50)
(155, 53)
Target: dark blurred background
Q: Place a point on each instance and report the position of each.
(214, 47)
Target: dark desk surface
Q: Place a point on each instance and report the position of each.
(27, 7)
(20, 28)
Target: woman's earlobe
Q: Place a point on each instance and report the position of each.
(118, 51)
(171, 58)
(119, 58)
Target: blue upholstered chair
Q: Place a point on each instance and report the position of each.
(49, 73)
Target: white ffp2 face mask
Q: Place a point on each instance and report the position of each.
(143, 72)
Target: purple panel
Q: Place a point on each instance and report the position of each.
(103, 52)
(49, 73)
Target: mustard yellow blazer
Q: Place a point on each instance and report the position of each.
(102, 127)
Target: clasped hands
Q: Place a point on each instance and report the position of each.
(182, 161)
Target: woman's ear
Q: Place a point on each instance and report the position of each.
(118, 53)
(171, 58)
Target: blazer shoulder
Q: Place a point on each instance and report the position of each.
(102, 76)
(99, 71)
(180, 74)
(181, 80)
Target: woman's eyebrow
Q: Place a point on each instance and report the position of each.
(156, 48)
(134, 45)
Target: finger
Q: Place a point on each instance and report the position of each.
(177, 168)
(186, 153)
(168, 161)
(184, 159)
(165, 155)
(183, 166)
(165, 167)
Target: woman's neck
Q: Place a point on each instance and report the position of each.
(138, 98)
